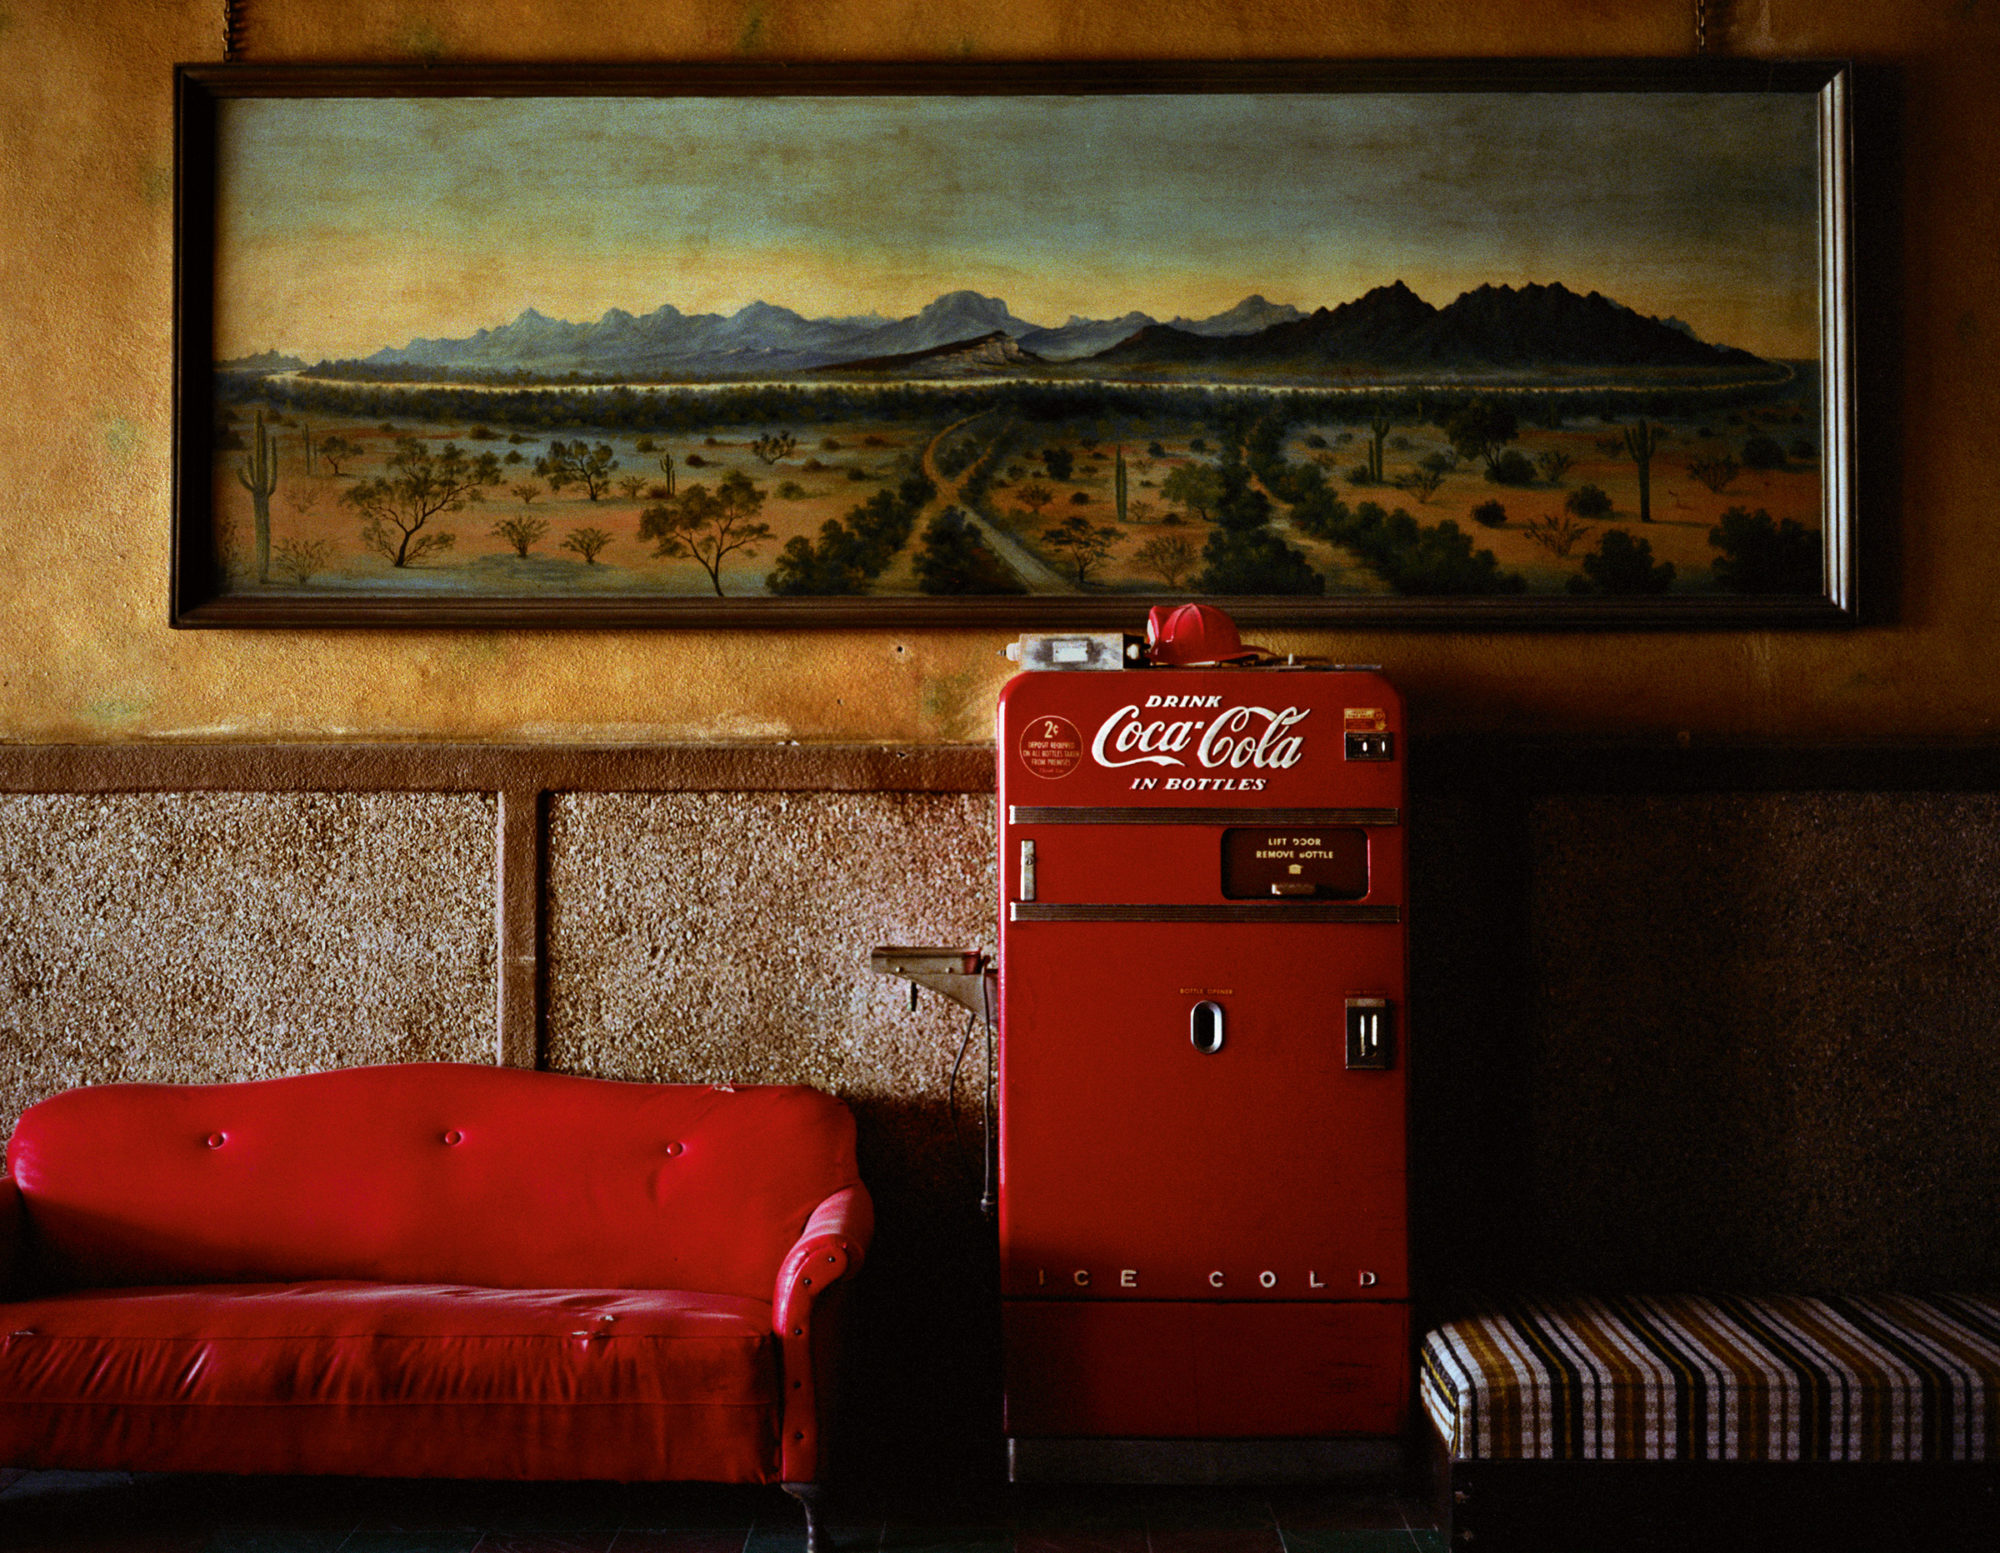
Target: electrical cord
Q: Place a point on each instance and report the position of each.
(989, 1196)
(951, 1091)
(988, 1193)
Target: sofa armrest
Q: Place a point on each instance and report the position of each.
(12, 1231)
(806, 1307)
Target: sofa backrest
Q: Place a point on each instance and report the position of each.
(428, 1173)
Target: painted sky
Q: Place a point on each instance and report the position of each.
(348, 225)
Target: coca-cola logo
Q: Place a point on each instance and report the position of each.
(1233, 737)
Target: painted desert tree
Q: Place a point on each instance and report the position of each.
(1421, 482)
(418, 486)
(337, 450)
(1035, 497)
(708, 526)
(578, 463)
(1558, 533)
(1084, 545)
(1623, 566)
(1480, 429)
(302, 559)
(1717, 472)
(586, 542)
(1169, 557)
(774, 446)
(1756, 555)
(521, 533)
(1554, 464)
(1197, 487)
(955, 560)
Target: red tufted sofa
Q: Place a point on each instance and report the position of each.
(429, 1270)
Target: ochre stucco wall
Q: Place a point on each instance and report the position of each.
(86, 332)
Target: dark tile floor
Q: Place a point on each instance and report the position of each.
(73, 1512)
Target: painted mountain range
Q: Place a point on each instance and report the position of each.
(1390, 327)
(766, 339)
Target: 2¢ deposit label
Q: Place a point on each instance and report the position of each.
(1051, 746)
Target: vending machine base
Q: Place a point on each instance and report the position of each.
(1201, 1463)
(1198, 1369)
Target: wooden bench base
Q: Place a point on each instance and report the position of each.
(1714, 1506)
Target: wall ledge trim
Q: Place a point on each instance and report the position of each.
(1440, 764)
(494, 768)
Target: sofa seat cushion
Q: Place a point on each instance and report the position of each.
(433, 1380)
(1688, 1378)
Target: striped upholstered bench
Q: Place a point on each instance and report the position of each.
(1702, 1423)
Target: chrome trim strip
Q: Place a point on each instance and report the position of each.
(1046, 814)
(1277, 911)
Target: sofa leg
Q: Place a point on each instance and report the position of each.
(811, 1496)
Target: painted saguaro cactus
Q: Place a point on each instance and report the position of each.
(259, 475)
(1379, 427)
(1642, 441)
(1118, 484)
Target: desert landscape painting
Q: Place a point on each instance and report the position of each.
(974, 349)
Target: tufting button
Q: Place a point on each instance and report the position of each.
(216, 1140)
(454, 1136)
(674, 1150)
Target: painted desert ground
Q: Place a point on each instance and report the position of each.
(1001, 488)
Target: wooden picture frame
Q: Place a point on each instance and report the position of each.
(1518, 344)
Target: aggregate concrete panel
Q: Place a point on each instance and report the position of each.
(1762, 1047)
(724, 938)
(203, 937)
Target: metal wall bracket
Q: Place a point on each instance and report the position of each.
(967, 976)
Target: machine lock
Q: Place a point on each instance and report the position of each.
(1371, 1036)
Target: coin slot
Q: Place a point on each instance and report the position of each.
(1370, 1034)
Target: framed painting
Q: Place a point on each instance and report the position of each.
(1455, 344)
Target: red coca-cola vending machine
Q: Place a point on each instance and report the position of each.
(1202, 1181)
